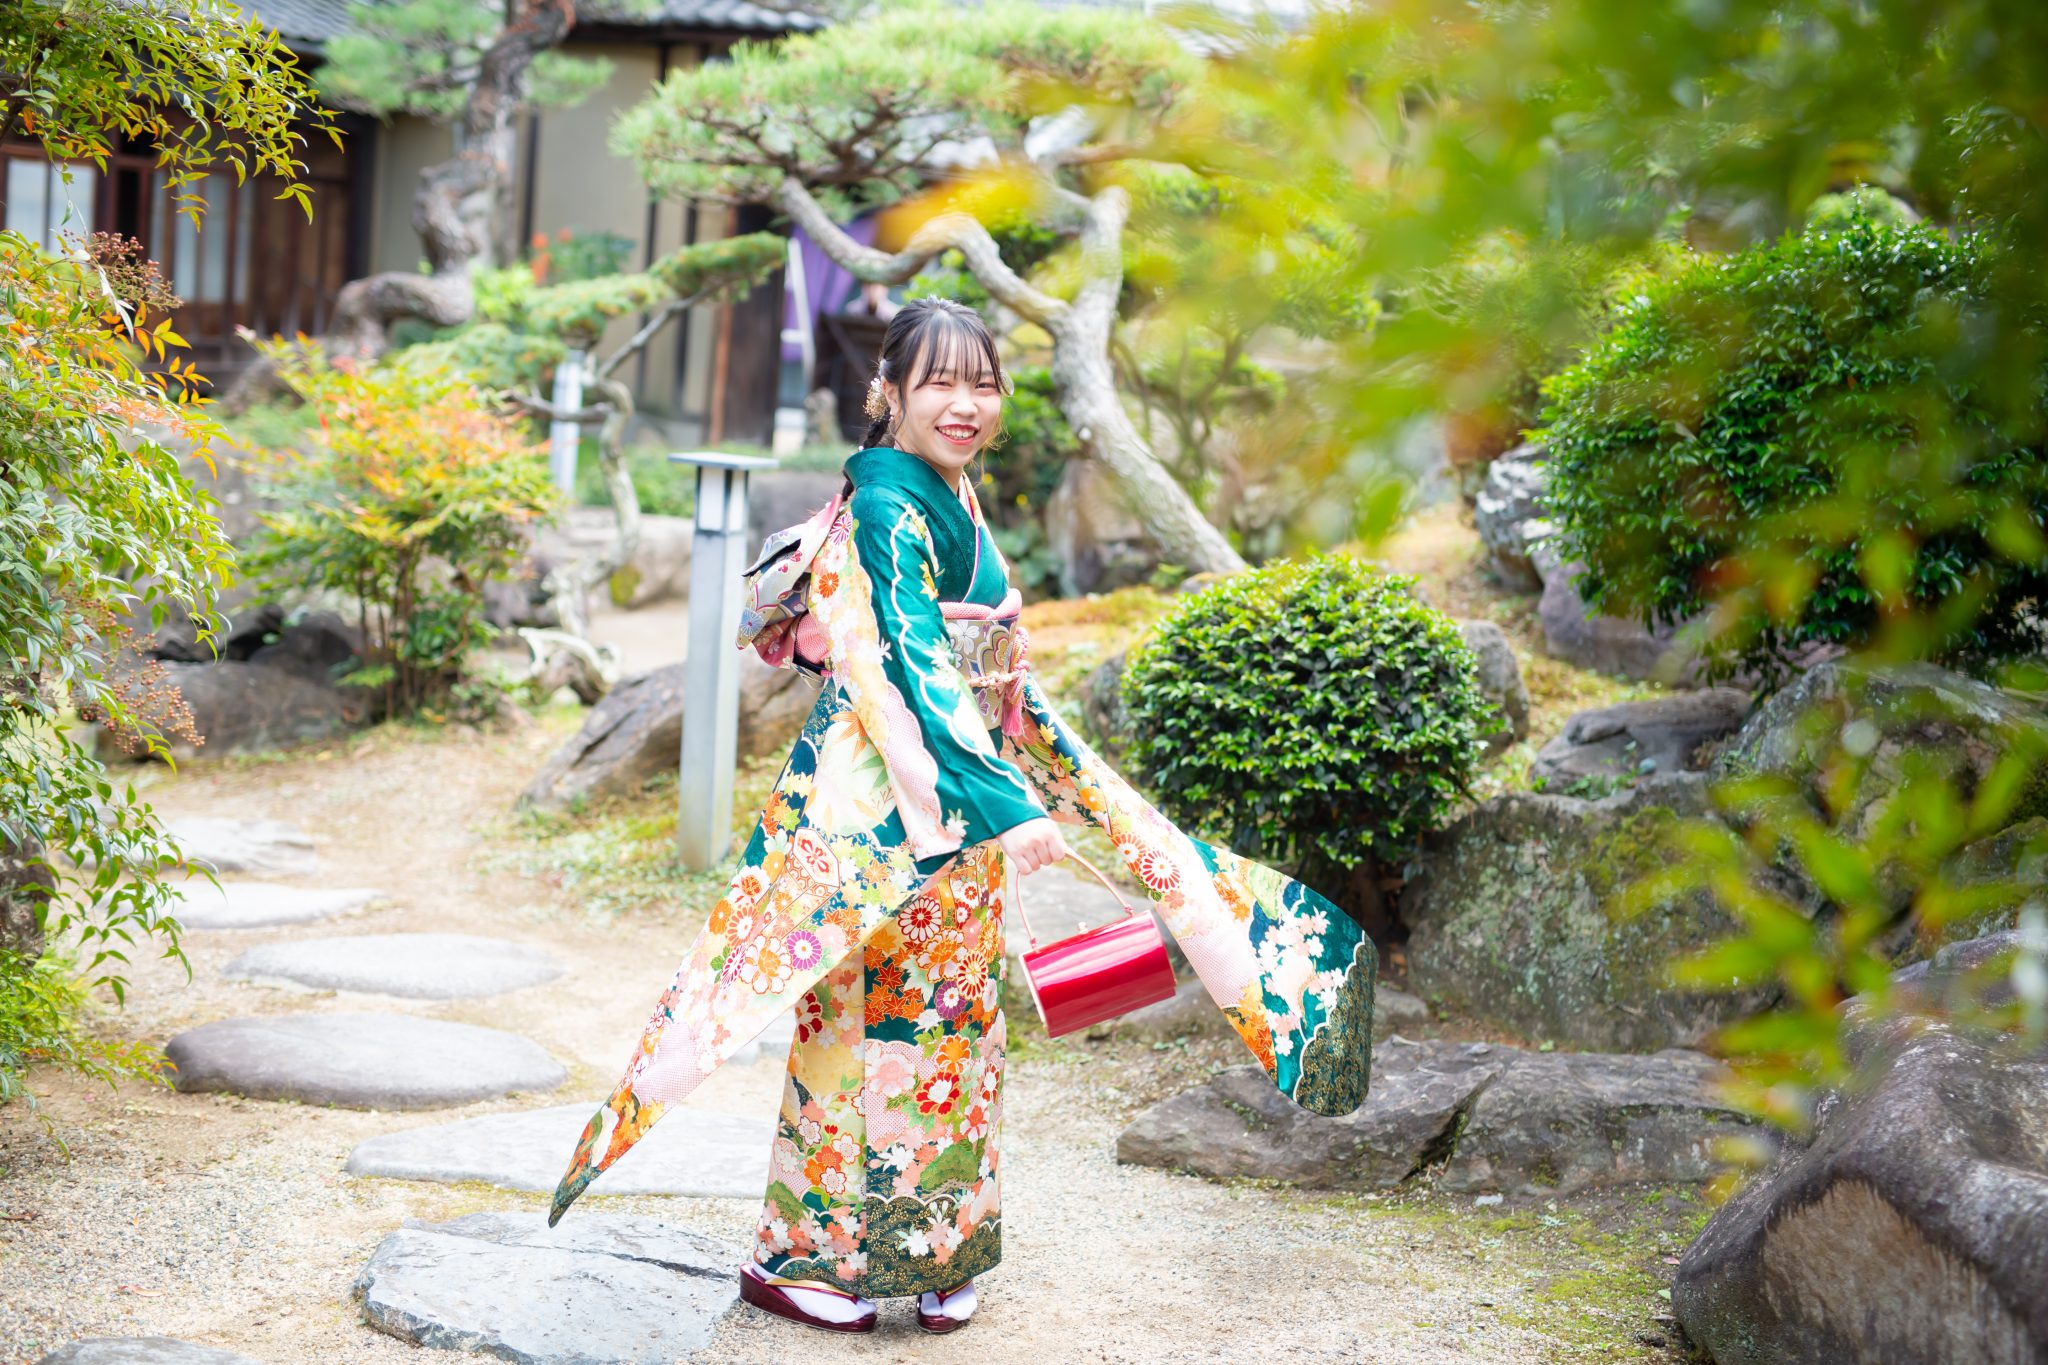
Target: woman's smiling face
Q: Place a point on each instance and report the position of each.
(950, 409)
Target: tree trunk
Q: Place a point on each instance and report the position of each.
(1084, 385)
(570, 585)
(25, 879)
(1087, 396)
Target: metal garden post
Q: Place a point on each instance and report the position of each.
(565, 436)
(711, 673)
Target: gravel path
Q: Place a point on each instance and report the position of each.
(230, 1222)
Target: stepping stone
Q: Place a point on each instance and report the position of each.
(359, 1061)
(259, 905)
(690, 1151)
(601, 1289)
(416, 966)
(142, 1351)
(265, 848)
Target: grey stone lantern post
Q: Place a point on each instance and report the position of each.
(711, 673)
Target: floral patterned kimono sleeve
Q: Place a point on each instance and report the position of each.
(977, 793)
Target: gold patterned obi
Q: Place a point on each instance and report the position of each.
(990, 651)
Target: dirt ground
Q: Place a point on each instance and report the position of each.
(231, 1222)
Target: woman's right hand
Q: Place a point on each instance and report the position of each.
(1033, 844)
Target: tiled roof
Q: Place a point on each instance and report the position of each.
(308, 24)
(738, 16)
(303, 23)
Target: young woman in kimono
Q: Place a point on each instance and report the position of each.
(871, 896)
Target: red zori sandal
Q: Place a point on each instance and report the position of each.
(813, 1305)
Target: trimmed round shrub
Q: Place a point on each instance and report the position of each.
(1804, 415)
(1310, 712)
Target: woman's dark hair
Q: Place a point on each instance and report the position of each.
(937, 335)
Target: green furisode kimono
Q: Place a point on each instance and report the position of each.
(870, 900)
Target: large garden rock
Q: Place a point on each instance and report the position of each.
(1512, 517)
(783, 497)
(1559, 1122)
(1500, 679)
(1507, 911)
(636, 731)
(1100, 545)
(1612, 645)
(274, 682)
(1624, 741)
(1104, 716)
(602, 1289)
(250, 707)
(246, 626)
(1902, 714)
(1496, 1118)
(317, 645)
(1911, 1226)
(359, 1061)
(658, 571)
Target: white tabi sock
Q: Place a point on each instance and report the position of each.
(831, 1304)
(958, 1305)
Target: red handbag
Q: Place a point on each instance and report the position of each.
(1097, 973)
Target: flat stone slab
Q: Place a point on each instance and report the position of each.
(142, 1351)
(601, 1289)
(416, 966)
(263, 848)
(773, 1042)
(360, 1061)
(1495, 1118)
(260, 905)
(689, 1152)
(1190, 1013)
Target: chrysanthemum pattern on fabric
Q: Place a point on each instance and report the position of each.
(884, 1174)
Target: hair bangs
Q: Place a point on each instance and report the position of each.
(954, 344)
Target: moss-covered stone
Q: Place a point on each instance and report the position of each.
(1510, 923)
(1511, 910)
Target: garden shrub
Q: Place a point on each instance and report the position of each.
(101, 533)
(1806, 407)
(412, 495)
(1312, 712)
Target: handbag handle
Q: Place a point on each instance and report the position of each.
(1017, 894)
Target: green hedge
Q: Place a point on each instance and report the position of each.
(1732, 401)
(1311, 712)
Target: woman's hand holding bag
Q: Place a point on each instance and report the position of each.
(1033, 844)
